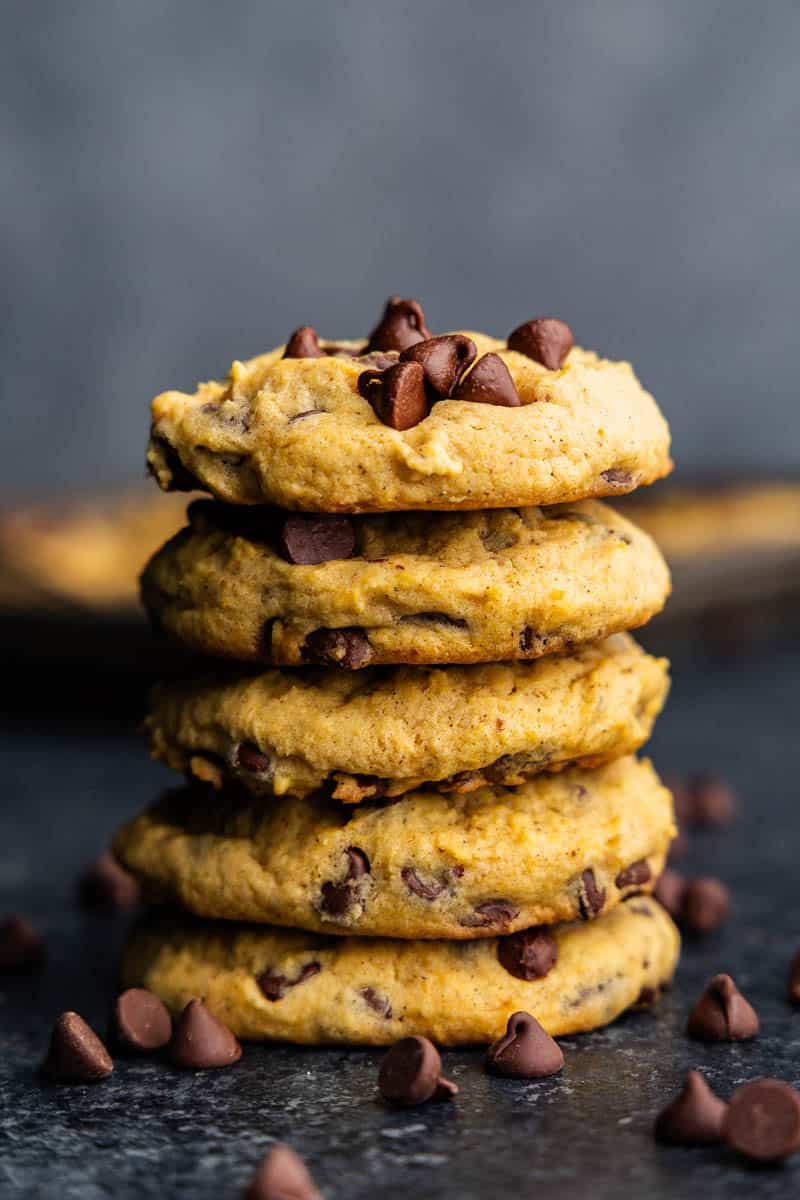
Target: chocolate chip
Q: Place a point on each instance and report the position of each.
(140, 1023)
(308, 412)
(181, 479)
(107, 887)
(200, 1040)
(427, 890)
(648, 995)
(304, 343)
(634, 875)
(402, 325)
(617, 477)
(528, 955)
(250, 758)
(347, 648)
(378, 1003)
(443, 359)
(591, 898)
(525, 1051)
(435, 618)
(794, 979)
(337, 898)
(489, 382)
(21, 947)
(546, 340)
(309, 539)
(276, 986)
(411, 1073)
(678, 847)
(357, 863)
(713, 804)
(705, 905)
(76, 1054)
(397, 395)
(763, 1120)
(694, 1117)
(669, 890)
(721, 1014)
(281, 1175)
(492, 912)
(527, 640)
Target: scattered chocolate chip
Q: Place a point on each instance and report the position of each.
(402, 325)
(140, 1023)
(357, 863)
(546, 340)
(346, 648)
(721, 1014)
(489, 382)
(411, 1073)
(492, 912)
(377, 1002)
(443, 359)
(200, 1040)
(694, 1117)
(763, 1120)
(669, 890)
(309, 539)
(107, 887)
(617, 477)
(634, 875)
(276, 986)
(281, 1175)
(525, 1051)
(794, 979)
(705, 905)
(21, 947)
(426, 890)
(591, 898)
(528, 955)
(713, 804)
(304, 343)
(337, 898)
(397, 395)
(250, 758)
(76, 1054)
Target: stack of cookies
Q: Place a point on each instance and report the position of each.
(412, 803)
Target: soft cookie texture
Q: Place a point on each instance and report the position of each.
(385, 731)
(298, 433)
(268, 983)
(426, 865)
(417, 588)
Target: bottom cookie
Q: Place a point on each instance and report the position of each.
(300, 987)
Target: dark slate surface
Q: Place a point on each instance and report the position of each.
(153, 1132)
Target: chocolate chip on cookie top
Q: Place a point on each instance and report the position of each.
(402, 325)
(546, 340)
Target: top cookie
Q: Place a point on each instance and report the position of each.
(409, 421)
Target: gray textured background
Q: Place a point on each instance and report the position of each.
(184, 182)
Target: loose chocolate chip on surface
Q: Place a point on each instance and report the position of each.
(250, 758)
(721, 1014)
(397, 395)
(634, 875)
(794, 979)
(546, 340)
(426, 889)
(346, 648)
(304, 343)
(402, 325)
(140, 1023)
(411, 1073)
(309, 539)
(443, 359)
(705, 904)
(763, 1120)
(525, 1051)
(200, 1040)
(694, 1117)
(492, 912)
(21, 947)
(591, 898)
(669, 890)
(528, 955)
(76, 1054)
(489, 382)
(377, 1002)
(281, 1175)
(713, 804)
(276, 986)
(107, 887)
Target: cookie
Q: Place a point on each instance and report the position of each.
(269, 983)
(352, 429)
(416, 588)
(387, 730)
(426, 865)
